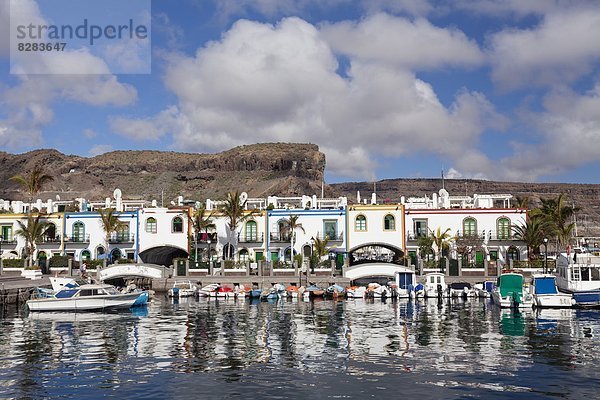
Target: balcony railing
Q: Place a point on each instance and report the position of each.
(256, 238)
(414, 236)
(49, 239)
(279, 237)
(121, 239)
(502, 235)
(78, 239)
(8, 240)
(332, 237)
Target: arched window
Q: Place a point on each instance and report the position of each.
(115, 255)
(85, 255)
(243, 254)
(100, 252)
(228, 251)
(503, 228)
(50, 233)
(151, 225)
(177, 225)
(469, 227)
(389, 222)
(512, 253)
(251, 231)
(360, 223)
(78, 233)
(287, 255)
(306, 251)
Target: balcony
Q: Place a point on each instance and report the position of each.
(204, 237)
(256, 238)
(49, 239)
(331, 237)
(121, 239)
(414, 235)
(502, 235)
(8, 240)
(280, 237)
(78, 239)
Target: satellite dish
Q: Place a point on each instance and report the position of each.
(243, 196)
(117, 194)
(443, 193)
(57, 198)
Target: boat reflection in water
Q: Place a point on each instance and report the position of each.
(324, 348)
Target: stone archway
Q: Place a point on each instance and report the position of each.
(375, 252)
(162, 255)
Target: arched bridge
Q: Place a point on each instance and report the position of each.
(376, 270)
(133, 271)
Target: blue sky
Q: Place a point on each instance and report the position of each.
(505, 90)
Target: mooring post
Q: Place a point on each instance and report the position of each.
(70, 267)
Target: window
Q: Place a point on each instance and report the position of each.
(86, 255)
(177, 225)
(330, 229)
(503, 228)
(115, 255)
(228, 251)
(512, 254)
(287, 255)
(389, 222)
(6, 233)
(251, 231)
(244, 257)
(469, 227)
(123, 233)
(50, 233)
(100, 252)
(151, 225)
(360, 224)
(78, 233)
(420, 228)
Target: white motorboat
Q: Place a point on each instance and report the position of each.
(435, 285)
(546, 293)
(461, 289)
(82, 298)
(510, 293)
(484, 289)
(356, 292)
(580, 276)
(183, 289)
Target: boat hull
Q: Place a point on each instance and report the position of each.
(90, 303)
(561, 300)
(587, 298)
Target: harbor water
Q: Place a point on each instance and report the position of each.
(353, 349)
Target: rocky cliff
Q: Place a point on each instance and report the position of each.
(261, 170)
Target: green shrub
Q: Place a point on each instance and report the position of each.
(59, 261)
(13, 263)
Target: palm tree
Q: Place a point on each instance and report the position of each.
(201, 222)
(319, 249)
(557, 216)
(290, 225)
(32, 232)
(441, 240)
(532, 233)
(33, 182)
(110, 223)
(522, 202)
(234, 210)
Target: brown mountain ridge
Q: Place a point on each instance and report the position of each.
(284, 169)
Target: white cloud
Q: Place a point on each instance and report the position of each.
(453, 174)
(27, 106)
(100, 149)
(519, 8)
(264, 83)
(562, 48)
(89, 133)
(403, 43)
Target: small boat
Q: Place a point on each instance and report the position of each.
(269, 294)
(377, 291)
(546, 294)
(292, 291)
(435, 285)
(579, 276)
(206, 291)
(419, 291)
(484, 289)
(255, 293)
(335, 291)
(86, 297)
(314, 291)
(461, 289)
(510, 293)
(356, 292)
(183, 289)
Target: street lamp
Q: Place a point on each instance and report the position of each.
(545, 255)
(208, 242)
(314, 258)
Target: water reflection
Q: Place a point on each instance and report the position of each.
(449, 344)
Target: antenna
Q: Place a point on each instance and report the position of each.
(443, 185)
(322, 188)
